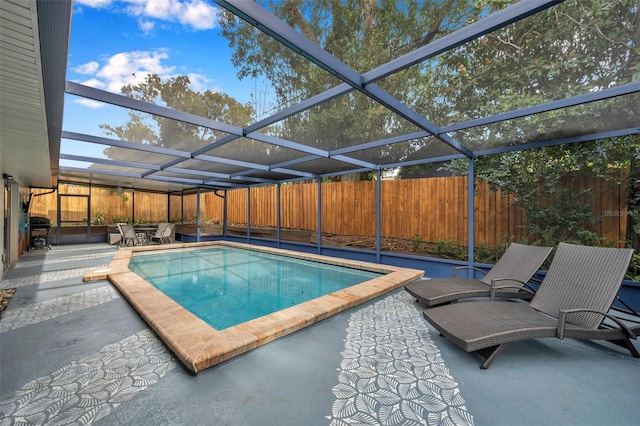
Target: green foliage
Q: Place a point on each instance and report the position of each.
(364, 35)
(416, 243)
(449, 250)
(545, 183)
(485, 253)
(633, 273)
(99, 219)
(164, 132)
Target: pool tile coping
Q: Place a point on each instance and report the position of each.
(200, 346)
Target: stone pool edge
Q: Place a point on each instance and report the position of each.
(200, 346)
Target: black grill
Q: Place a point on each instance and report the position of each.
(39, 232)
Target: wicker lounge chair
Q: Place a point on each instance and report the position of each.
(573, 300)
(516, 267)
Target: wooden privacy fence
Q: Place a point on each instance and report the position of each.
(431, 208)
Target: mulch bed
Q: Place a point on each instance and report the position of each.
(5, 298)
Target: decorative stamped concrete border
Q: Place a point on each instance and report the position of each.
(199, 345)
(89, 389)
(392, 372)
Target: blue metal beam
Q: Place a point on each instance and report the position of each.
(196, 172)
(174, 179)
(124, 144)
(423, 161)
(471, 181)
(231, 162)
(562, 141)
(137, 105)
(215, 144)
(295, 173)
(99, 172)
(313, 101)
(407, 113)
(296, 161)
(109, 162)
(378, 214)
(280, 31)
(380, 143)
(495, 21)
(274, 27)
(354, 161)
(613, 92)
(287, 144)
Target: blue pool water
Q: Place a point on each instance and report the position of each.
(226, 286)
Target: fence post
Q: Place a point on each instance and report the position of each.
(471, 218)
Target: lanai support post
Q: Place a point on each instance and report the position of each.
(470, 218)
(169, 207)
(248, 214)
(182, 214)
(378, 212)
(319, 224)
(224, 215)
(198, 214)
(278, 185)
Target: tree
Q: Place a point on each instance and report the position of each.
(363, 34)
(165, 132)
(565, 51)
(546, 184)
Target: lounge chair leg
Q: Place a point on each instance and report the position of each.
(626, 343)
(490, 354)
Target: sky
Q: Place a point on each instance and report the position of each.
(119, 42)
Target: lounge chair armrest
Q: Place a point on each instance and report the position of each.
(562, 321)
(455, 270)
(494, 287)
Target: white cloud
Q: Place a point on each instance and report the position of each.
(197, 14)
(90, 103)
(88, 68)
(94, 3)
(146, 26)
(93, 82)
(200, 83)
(132, 68)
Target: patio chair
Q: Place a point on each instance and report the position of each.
(573, 300)
(129, 235)
(119, 226)
(516, 267)
(163, 234)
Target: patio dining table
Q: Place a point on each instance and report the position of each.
(148, 231)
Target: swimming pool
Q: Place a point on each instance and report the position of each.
(197, 344)
(226, 286)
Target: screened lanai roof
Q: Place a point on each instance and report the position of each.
(288, 90)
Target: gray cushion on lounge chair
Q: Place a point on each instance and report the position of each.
(515, 268)
(580, 278)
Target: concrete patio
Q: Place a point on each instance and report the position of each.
(77, 353)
